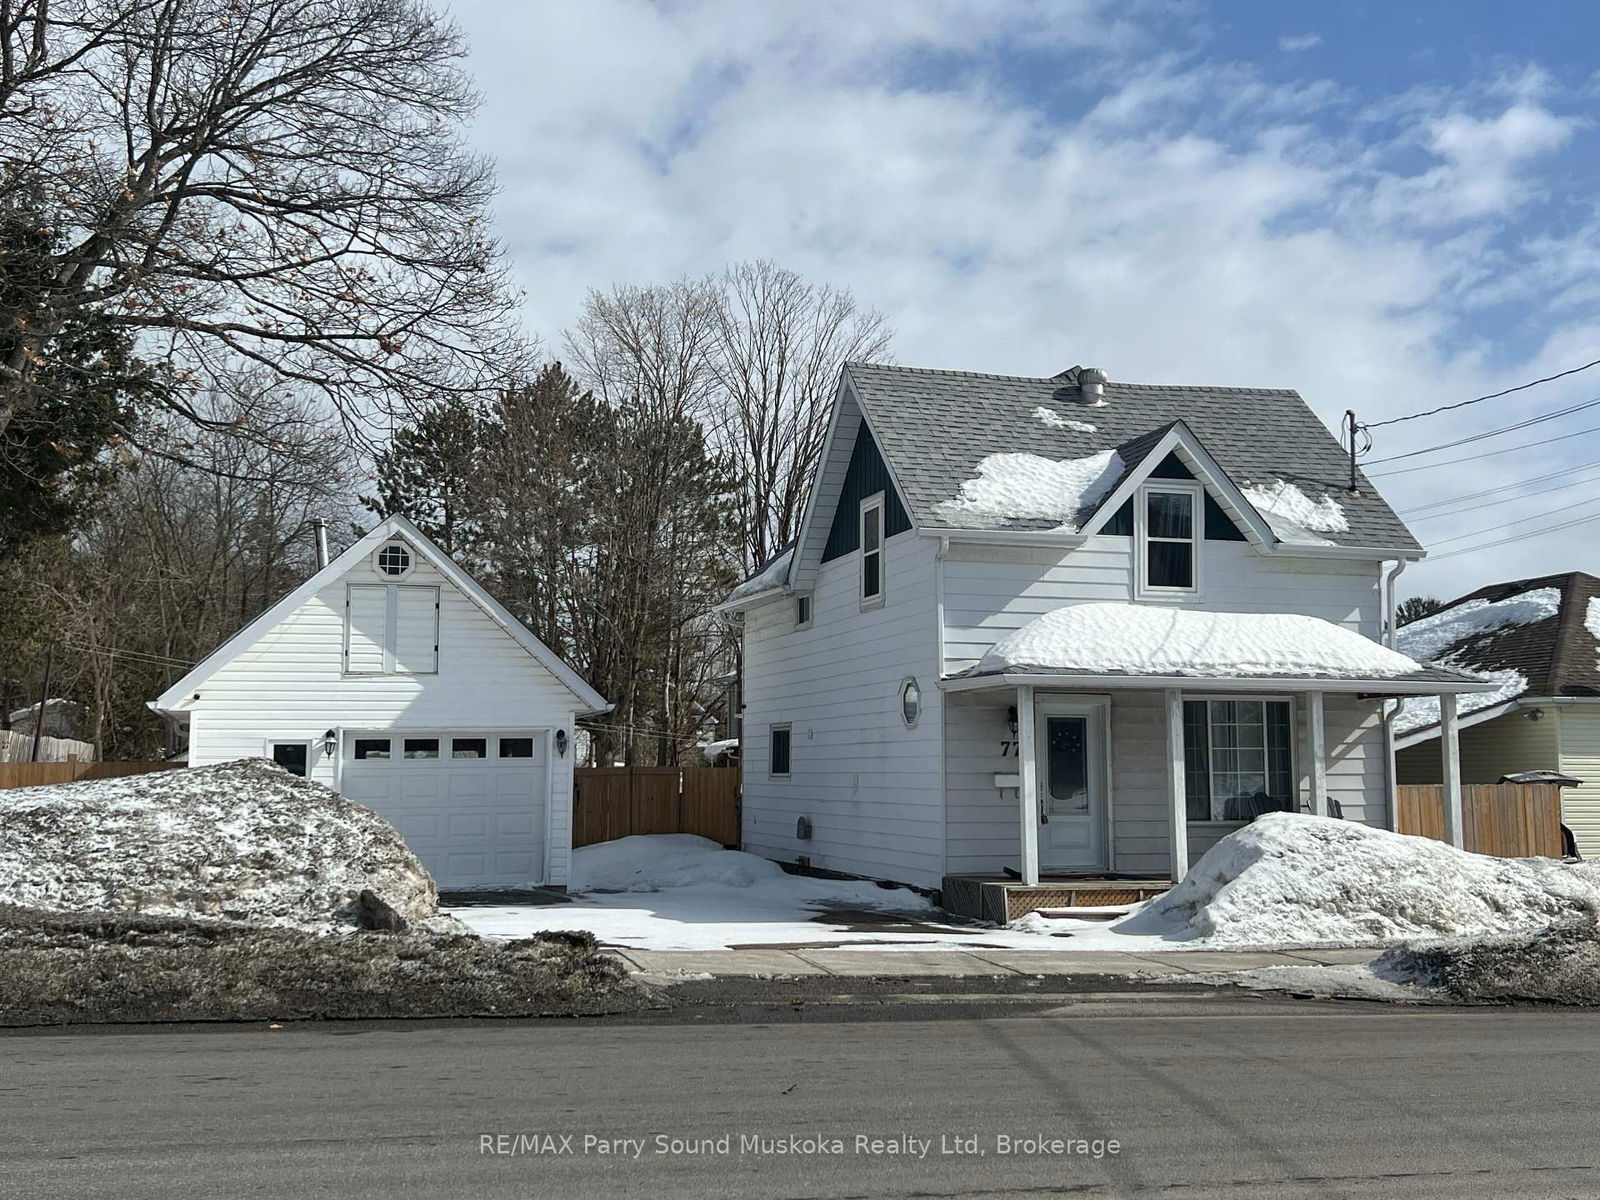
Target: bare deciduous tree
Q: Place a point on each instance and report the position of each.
(279, 183)
(780, 342)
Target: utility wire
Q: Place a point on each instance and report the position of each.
(1516, 537)
(1505, 487)
(1450, 462)
(1521, 387)
(1456, 512)
(1519, 521)
(1478, 437)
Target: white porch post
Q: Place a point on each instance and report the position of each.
(1319, 754)
(1028, 793)
(1178, 815)
(1450, 748)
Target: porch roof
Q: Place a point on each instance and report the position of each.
(1425, 681)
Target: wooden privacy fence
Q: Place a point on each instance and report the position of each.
(21, 775)
(614, 802)
(1509, 820)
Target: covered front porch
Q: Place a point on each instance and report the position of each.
(1109, 787)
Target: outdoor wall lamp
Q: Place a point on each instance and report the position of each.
(561, 742)
(1011, 717)
(330, 743)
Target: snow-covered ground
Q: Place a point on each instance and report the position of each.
(681, 892)
(1284, 880)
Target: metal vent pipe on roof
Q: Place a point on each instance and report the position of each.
(1092, 386)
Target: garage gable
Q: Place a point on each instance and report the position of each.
(395, 607)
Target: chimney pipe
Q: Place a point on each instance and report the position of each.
(320, 528)
(1092, 386)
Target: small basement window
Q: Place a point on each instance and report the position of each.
(469, 747)
(422, 748)
(779, 765)
(373, 748)
(516, 747)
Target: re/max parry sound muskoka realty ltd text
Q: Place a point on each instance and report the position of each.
(968, 1145)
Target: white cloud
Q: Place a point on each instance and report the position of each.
(1196, 223)
(1295, 43)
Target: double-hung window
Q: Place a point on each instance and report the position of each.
(1169, 539)
(1238, 758)
(872, 550)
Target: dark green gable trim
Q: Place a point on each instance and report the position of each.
(866, 476)
(1219, 526)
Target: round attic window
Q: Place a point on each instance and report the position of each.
(394, 559)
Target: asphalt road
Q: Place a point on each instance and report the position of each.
(1220, 1099)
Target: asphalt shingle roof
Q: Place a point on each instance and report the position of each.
(1558, 655)
(935, 427)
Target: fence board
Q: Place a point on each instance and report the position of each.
(614, 802)
(1506, 820)
(21, 775)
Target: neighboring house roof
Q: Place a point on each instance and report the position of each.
(935, 428)
(1536, 637)
(173, 699)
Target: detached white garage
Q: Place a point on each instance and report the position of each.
(393, 676)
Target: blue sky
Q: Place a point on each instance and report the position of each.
(1386, 206)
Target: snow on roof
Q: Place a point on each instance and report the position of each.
(1147, 640)
(1591, 620)
(774, 575)
(1293, 515)
(1445, 636)
(1433, 638)
(1056, 421)
(1013, 487)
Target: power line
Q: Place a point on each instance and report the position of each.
(1456, 512)
(1518, 521)
(1505, 487)
(1450, 462)
(1516, 537)
(1478, 437)
(1521, 387)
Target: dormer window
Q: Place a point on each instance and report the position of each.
(1168, 540)
(393, 560)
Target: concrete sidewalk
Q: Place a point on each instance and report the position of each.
(954, 963)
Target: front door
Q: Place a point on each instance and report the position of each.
(1071, 741)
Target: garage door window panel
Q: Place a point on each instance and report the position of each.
(516, 747)
(366, 748)
(422, 747)
(469, 748)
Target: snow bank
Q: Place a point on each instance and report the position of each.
(1291, 879)
(1149, 640)
(1027, 487)
(774, 575)
(1293, 515)
(647, 862)
(243, 841)
(1056, 421)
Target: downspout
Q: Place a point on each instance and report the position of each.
(1391, 708)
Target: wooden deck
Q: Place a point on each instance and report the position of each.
(1001, 899)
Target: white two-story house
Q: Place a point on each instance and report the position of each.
(1066, 629)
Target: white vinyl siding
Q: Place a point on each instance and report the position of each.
(990, 591)
(1580, 758)
(869, 784)
(291, 685)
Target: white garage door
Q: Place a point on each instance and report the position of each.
(469, 804)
